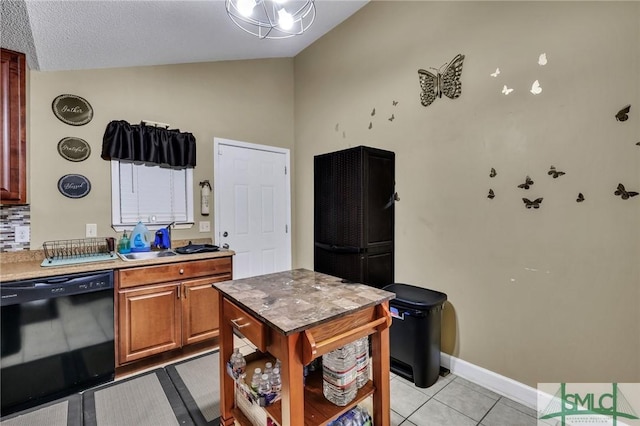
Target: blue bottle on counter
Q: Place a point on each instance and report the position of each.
(140, 238)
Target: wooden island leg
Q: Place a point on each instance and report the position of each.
(292, 380)
(226, 383)
(380, 360)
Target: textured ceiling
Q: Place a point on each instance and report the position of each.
(70, 35)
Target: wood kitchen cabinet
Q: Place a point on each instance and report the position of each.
(13, 155)
(168, 306)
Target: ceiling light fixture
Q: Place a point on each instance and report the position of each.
(272, 18)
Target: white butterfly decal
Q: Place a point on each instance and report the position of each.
(535, 88)
(495, 74)
(506, 90)
(542, 59)
(448, 82)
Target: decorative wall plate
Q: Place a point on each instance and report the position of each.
(72, 109)
(74, 149)
(74, 186)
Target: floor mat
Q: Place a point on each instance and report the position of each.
(146, 399)
(62, 412)
(198, 383)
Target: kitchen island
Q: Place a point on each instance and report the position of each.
(298, 316)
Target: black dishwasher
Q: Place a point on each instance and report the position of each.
(57, 337)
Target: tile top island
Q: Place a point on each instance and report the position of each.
(297, 316)
(296, 300)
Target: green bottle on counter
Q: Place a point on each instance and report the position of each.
(124, 244)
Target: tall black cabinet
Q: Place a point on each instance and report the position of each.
(354, 192)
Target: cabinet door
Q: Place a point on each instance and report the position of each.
(149, 321)
(200, 308)
(13, 153)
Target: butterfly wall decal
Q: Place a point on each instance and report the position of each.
(395, 103)
(542, 59)
(555, 173)
(392, 117)
(370, 125)
(638, 143)
(622, 115)
(506, 90)
(491, 195)
(495, 74)
(580, 197)
(527, 183)
(535, 88)
(492, 173)
(623, 193)
(373, 112)
(535, 203)
(448, 82)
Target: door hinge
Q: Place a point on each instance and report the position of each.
(286, 229)
(285, 170)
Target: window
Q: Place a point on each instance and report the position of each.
(151, 194)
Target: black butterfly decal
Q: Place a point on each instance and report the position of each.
(392, 117)
(395, 103)
(622, 114)
(535, 203)
(448, 83)
(580, 197)
(373, 112)
(493, 172)
(553, 172)
(370, 125)
(491, 194)
(527, 183)
(638, 143)
(622, 192)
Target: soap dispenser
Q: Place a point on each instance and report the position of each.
(124, 245)
(140, 238)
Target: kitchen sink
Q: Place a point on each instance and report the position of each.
(146, 255)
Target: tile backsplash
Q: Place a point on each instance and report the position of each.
(10, 217)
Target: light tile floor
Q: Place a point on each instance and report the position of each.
(451, 401)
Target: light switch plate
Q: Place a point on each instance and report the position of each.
(22, 234)
(205, 226)
(91, 230)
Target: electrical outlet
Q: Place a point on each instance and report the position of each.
(205, 226)
(91, 230)
(22, 234)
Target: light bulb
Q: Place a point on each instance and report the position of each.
(245, 7)
(285, 19)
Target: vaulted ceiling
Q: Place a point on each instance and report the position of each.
(70, 34)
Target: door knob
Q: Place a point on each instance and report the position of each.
(225, 234)
(225, 246)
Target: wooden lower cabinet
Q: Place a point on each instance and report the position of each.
(160, 317)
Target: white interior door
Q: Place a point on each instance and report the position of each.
(252, 206)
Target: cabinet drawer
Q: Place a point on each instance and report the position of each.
(173, 272)
(247, 325)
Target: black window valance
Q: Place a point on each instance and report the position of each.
(149, 144)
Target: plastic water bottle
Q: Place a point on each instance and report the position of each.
(255, 379)
(238, 363)
(276, 381)
(362, 361)
(339, 372)
(268, 369)
(264, 388)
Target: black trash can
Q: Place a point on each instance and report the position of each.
(414, 337)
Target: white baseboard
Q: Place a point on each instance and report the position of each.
(495, 382)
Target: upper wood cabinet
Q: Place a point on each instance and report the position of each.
(13, 155)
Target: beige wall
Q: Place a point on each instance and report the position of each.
(547, 295)
(251, 101)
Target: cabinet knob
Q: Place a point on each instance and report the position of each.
(225, 246)
(181, 271)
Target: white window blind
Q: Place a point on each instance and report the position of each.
(151, 194)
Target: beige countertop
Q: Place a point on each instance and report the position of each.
(28, 266)
(297, 300)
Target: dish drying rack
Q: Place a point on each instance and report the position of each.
(71, 252)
